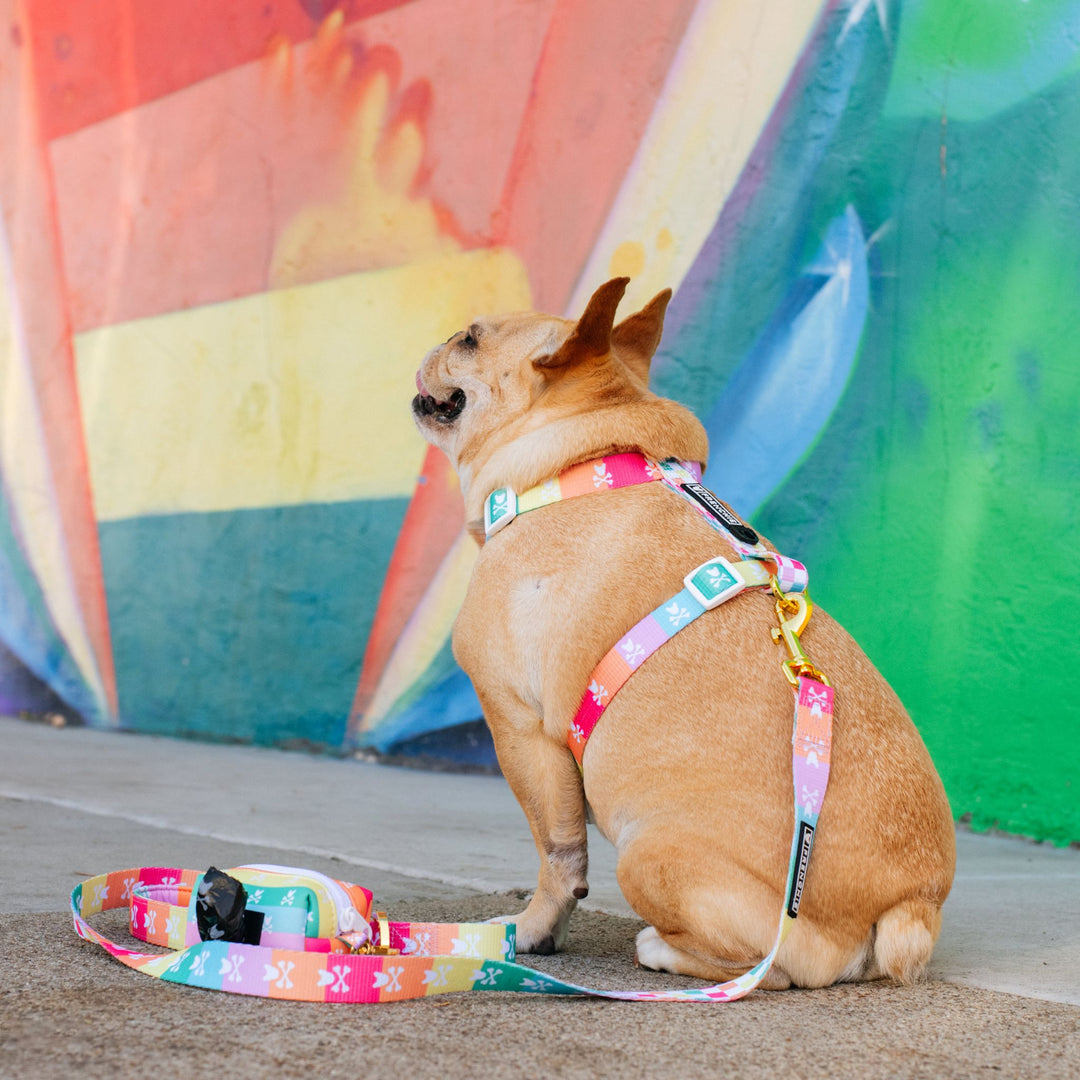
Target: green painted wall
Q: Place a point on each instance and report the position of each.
(940, 506)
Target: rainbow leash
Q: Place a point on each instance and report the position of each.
(418, 959)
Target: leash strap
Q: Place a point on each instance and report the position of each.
(435, 958)
(409, 960)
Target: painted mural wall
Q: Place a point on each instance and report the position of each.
(231, 230)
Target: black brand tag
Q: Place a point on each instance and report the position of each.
(704, 497)
(802, 860)
(253, 924)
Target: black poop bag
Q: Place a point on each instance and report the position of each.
(220, 910)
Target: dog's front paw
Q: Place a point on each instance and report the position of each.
(540, 940)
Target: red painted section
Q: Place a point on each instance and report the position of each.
(97, 58)
(602, 70)
(30, 222)
(178, 203)
(432, 524)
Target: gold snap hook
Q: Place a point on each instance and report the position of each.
(793, 610)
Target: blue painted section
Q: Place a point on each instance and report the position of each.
(443, 697)
(21, 690)
(27, 630)
(246, 625)
(467, 744)
(742, 280)
(782, 395)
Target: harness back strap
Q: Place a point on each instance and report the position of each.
(791, 575)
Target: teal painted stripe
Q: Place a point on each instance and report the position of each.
(249, 624)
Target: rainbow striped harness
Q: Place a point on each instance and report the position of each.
(705, 587)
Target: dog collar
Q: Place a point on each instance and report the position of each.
(503, 505)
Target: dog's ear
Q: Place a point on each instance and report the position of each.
(635, 339)
(592, 335)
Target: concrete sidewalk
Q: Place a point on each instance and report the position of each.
(76, 802)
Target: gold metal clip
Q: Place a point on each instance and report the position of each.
(793, 610)
(383, 948)
(360, 943)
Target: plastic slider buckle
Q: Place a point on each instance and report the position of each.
(500, 508)
(713, 582)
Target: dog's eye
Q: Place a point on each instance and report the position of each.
(469, 340)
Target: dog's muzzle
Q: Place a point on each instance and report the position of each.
(443, 412)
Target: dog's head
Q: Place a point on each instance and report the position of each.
(528, 393)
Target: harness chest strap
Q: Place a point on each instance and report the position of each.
(704, 588)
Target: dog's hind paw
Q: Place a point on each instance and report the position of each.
(655, 953)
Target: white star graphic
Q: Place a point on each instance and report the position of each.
(856, 12)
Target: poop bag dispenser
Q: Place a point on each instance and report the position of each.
(221, 910)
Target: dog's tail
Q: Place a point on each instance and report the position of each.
(904, 939)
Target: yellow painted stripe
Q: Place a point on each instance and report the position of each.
(734, 61)
(292, 396)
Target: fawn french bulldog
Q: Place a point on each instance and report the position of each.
(688, 773)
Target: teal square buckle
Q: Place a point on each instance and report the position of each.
(713, 582)
(500, 508)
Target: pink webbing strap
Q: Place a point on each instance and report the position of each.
(586, 478)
